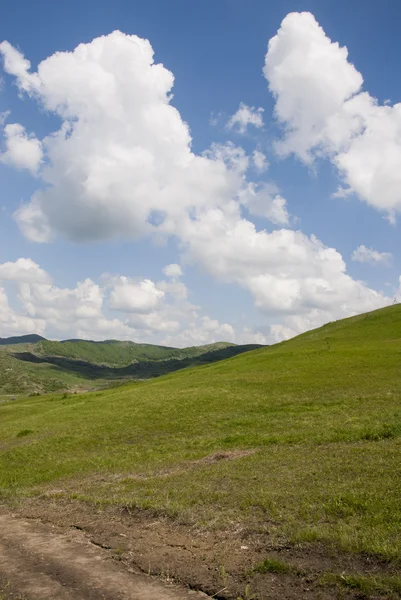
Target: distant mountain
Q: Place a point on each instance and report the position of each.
(32, 338)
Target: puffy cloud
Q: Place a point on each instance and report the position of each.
(22, 151)
(320, 103)
(245, 116)
(203, 331)
(173, 287)
(23, 270)
(265, 201)
(13, 323)
(260, 161)
(146, 310)
(138, 297)
(174, 271)
(62, 305)
(311, 80)
(121, 163)
(291, 277)
(368, 255)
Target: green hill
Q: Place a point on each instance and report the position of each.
(118, 354)
(47, 366)
(299, 443)
(21, 339)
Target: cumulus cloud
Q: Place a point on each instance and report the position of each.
(21, 151)
(174, 271)
(324, 112)
(368, 255)
(121, 163)
(138, 297)
(245, 116)
(291, 276)
(264, 200)
(13, 323)
(203, 331)
(119, 308)
(173, 286)
(23, 270)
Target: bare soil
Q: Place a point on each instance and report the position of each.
(41, 562)
(71, 550)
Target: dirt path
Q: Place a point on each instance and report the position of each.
(41, 562)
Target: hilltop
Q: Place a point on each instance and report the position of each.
(291, 451)
(21, 339)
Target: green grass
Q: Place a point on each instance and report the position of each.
(368, 585)
(322, 412)
(273, 565)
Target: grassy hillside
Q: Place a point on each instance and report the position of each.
(17, 377)
(321, 414)
(119, 354)
(49, 366)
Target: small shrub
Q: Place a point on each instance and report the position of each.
(366, 584)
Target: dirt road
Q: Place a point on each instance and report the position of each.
(42, 562)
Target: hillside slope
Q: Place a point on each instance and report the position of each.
(119, 354)
(47, 366)
(300, 442)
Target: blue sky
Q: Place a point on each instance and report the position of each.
(216, 52)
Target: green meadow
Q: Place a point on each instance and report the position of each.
(301, 439)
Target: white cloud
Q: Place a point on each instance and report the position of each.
(22, 151)
(265, 201)
(245, 116)
(234, 157)
(260, 161)
(16, 64)
(203, 331)
(291, 277)
(146, 311)
(12, 323)
(296, 281)
(320, 103)
(121, 163)
(174, 271)
(368, 255)
(132, 296)
(62, 306)
(23, 270)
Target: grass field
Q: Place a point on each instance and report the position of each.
(321, 414)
